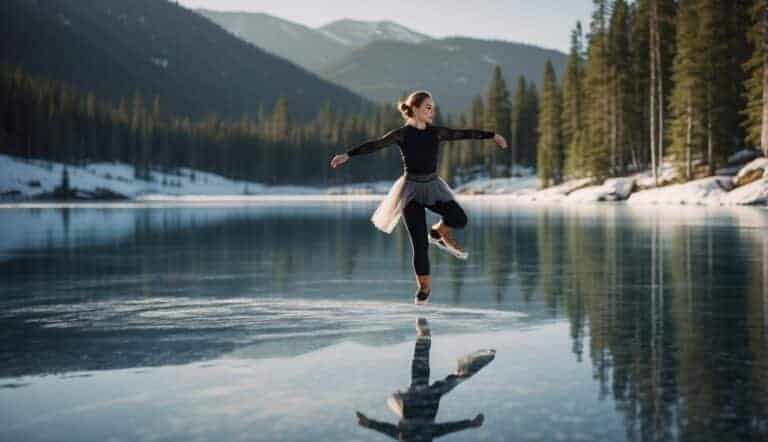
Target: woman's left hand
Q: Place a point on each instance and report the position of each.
(500, 141)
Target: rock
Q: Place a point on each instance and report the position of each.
(613, 189)
(756, 164)
(753, 193)
(743, 156)
(748, 177)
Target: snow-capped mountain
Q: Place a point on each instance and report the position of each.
(366, 56)
(357, 33)
(300, 44)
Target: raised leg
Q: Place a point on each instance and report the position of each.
(453, 215)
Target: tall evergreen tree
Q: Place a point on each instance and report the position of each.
(497, 114)
(519, 108)
(477, 120)
(722, 47)
(619, 74)
(531, 125)
(688, 93)
(755, 113)
(596, 156)
(550, 144)
(280, 122)
(573, 104)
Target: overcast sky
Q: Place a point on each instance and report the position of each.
(545, 23)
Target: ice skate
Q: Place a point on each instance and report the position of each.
(446, 243)
(422, 294)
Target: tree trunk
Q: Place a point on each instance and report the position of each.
(688, 163)
(660, 79)
(652, 44)
(613, 113)
(764, 134)
(710, 164)
(660, 100)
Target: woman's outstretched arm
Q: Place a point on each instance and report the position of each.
(449, 134)
(391, 137)
(394, 136)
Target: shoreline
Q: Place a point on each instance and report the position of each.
(276, 199)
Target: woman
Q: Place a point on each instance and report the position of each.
(419, 187)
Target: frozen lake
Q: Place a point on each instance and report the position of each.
(279, 321)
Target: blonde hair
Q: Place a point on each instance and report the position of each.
(414, 100)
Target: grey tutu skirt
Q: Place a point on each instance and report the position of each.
(424, 188)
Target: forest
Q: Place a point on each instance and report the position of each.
(650, 81)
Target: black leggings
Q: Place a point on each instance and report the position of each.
(416, 222)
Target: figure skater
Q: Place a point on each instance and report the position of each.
(420, 187)
(417, 406)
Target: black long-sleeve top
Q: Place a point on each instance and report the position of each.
(419, 147)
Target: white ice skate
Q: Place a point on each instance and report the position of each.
(446, 243)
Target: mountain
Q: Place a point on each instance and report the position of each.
(380, 60)
(355, 33)
(453, 69)
(301, 44)
(115, 47)
(310, 48)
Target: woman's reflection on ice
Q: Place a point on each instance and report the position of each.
(417, 406)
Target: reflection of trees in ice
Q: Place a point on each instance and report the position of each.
(666, 295)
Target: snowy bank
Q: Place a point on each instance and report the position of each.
(26, 179)
(706, 191)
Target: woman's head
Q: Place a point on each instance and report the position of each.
(418, 106)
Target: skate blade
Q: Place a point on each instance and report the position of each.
(454, 252)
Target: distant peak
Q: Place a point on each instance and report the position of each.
(360, 32)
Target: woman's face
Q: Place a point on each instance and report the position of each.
(426, 111)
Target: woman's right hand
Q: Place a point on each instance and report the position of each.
(338, 160)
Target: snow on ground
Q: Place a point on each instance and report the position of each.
(22, 179)
(29, 178)
(644, 180)
(706, 191)
(498, 185)
(613, 189)
(755, 192)
(757, 164)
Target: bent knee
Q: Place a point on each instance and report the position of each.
(458, 222)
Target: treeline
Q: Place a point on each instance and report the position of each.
(53, 120)
(515, 117)
(655, 80)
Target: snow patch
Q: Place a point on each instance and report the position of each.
(613, 189)
(757, 164)
(755, 192)
(706, 191)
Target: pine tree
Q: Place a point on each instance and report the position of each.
(497, 114)
(596, 156)
(756, 69)
(721, 47)
(573, 98)
(619, 74)
(688, 93)
(519, 106)
(477, 120)
(280, 121)
(531, 124)
(550, 144)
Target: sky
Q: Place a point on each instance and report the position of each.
(545, 23)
